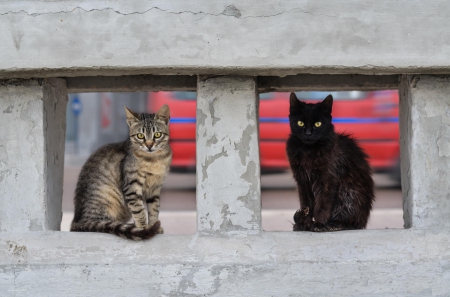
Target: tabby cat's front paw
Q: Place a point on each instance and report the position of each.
(161, 230)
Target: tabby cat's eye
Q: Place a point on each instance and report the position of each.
(318, 124)
(157, 134)
(300, 123)
(140, 136)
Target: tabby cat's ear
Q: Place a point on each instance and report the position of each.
(295, 103)
(132, 117)
(163, 114)
(327, 104)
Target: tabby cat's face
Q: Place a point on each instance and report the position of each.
(310, 122)
(149, 132)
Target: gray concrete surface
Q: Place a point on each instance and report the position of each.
(80, 38)
(224, 37)
(405, 262)
(425, 150)
(228, 184)
(32, 129)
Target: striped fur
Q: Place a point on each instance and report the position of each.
(119, 179)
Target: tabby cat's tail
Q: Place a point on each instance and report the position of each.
(129, 231)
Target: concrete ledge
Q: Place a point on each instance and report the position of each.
(170, 37)
(137, 83)
(327, 82)
(131, 83)
(352, 263)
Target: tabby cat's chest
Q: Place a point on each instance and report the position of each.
(154, 173)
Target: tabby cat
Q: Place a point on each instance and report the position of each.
(119, 178)
(333, 176)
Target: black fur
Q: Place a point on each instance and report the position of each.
(333, 176)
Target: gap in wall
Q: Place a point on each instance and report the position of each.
(372, 118)
(95, 119)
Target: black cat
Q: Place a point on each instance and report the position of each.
(333, 176)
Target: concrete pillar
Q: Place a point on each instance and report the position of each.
(228, 170)
(425, 151)
(32, 130)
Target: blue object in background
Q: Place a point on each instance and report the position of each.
(76, 106)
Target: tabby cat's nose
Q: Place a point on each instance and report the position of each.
(149, 144)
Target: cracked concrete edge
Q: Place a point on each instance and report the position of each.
(225, 8)
(248, 54)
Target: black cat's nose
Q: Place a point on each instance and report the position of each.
(308, 132)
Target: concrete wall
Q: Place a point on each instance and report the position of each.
(31, 154)
(425, 141)
(228, 170)
(355, 263)
(229, 255)
(223, 37)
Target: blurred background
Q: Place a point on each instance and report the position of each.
(95, 119)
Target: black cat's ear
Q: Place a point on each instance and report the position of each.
(327, 104)
(163, 114)
(132, 117)
(295, 103)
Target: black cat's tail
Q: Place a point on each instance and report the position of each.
(129, 231)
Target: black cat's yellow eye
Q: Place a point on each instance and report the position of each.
(300, 123)
(140, 136)
(318, 124)
(158, 134)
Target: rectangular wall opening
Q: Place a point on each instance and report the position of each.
(96, 119)
(371, 117)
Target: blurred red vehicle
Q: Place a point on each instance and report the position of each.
(371, 117)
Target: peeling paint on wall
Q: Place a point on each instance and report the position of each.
(228, 188)
(444, 147)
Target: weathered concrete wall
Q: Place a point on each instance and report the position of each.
(32, 129)
(229, 255)
(228, 170)
(223, 37)
(425, 150)
(354, 263)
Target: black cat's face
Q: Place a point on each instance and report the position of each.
(310, 122)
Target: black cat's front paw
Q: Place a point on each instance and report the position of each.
(300, 227)
(319, 227)
(302, 220)
(301, 215)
